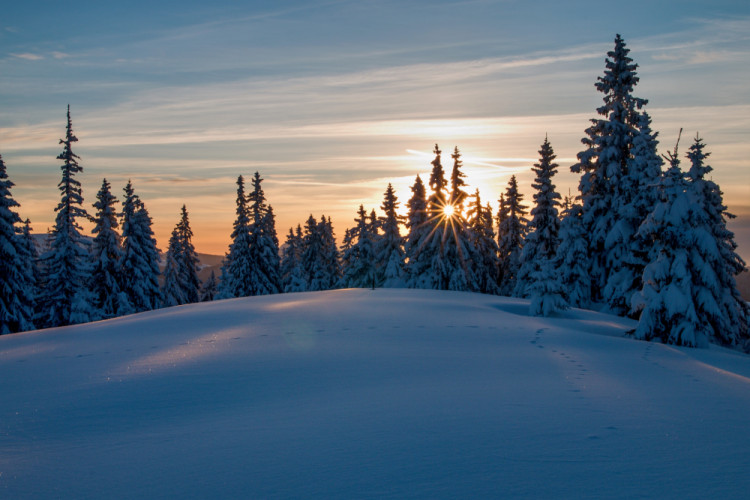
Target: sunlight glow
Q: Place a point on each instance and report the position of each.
(448, 210)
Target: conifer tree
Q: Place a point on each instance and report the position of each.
(672, 282)
(542, 240)
(173, 288)
(572, 257)
(511, 233)
(458, 195)
(419, 230)
(604, 164)
(235, 270)
(140, 260)
(626, 255)
(389, 249)
(107, 281)
(264, 273)
(187, 260)
(291, 270)
(330, 255)
(17, 279)
(65, 299)
(361, 270)
(210, 288)
(482, 246)
(725, 309)
(313, 268)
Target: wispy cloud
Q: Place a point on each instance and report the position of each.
(28, 56)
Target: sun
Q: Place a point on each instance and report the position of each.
(448, 211)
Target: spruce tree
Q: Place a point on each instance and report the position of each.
(235, 270)
(107, 281)
(140, 259)
(626, 255)
(389, 250)
(419, 229)
(210, 288)
(511, 233)
(313, 267)
(672, 282)
(536, 277)
(361, 269)
(725, 309)
(187, 260)
(291, 255)
(264, 273)
(17, 279)
(458, 195)
(65, 299)
(572, 257)
(482, 246)
(173, 288)
(604, 164)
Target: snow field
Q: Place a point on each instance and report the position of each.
(368, 394)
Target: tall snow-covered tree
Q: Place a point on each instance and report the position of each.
(458, 195)
(173, 288)
(106, 280)
(237, 265)
(482, 246)
(389, 249)
(723, 308)
(361, 269)
(140, 259)
(419, 229)
(537, 277)
(673, 283)
(313, 263)
(571, 259)
(188, 260)
(292, 278)
(511, 233)
(626, 255)
(17, 279)
(65, 299)
(331, 257)
(265, 277)
(604, 164)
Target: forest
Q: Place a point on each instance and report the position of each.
(644, 237)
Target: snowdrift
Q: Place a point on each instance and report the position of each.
(368, 394)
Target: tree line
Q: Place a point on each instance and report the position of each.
(638, 240)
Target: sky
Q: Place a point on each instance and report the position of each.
(332, 100)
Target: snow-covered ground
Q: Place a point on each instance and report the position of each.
(368, 394)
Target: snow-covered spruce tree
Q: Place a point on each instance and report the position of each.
(572, 255)
(604, 163)
(314, 270)
(17, 279)
(537, 277)
(419, 229)
(140, 259)
(235, 270)
(210, 288)
(330, 255)
(511, 233)
(673, 283)
(458, 195)
(188, 259)
(361, 269)
(106, 281)
(291, 255)
(725, 310)
(389, 250)
(264, 272)
(482, 246)
(626, 255)
(172, 290)
(65, 299)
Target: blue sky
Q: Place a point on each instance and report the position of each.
(332, 100)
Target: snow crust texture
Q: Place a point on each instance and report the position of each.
(368, 394)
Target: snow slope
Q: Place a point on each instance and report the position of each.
(368, 394)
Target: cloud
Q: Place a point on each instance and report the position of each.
(28, 56)
(60, 55)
